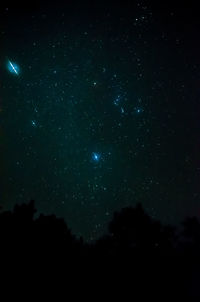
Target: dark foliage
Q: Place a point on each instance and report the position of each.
(138, 257)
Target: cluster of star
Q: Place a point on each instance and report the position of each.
(118, 102)
(91, 110)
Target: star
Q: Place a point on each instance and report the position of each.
(122, 110)
(33, 123)
(117, 100)
(96, 156)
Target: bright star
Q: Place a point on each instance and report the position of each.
(33, 123)
(13, 67)
(96, 156)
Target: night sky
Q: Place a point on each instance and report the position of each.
(99, 109)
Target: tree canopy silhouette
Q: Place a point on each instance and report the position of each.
(135, 245)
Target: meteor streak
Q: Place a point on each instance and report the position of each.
(13, 67)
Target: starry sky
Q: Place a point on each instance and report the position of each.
(99, 109)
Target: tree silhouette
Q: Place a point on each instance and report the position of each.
(137, 252)
(133, 228)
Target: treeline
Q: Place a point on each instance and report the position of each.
(138, 253)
